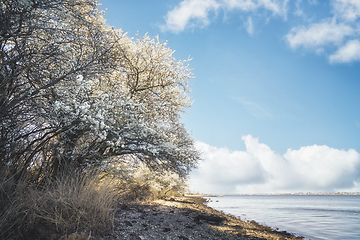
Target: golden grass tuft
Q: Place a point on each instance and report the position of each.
(71, 203)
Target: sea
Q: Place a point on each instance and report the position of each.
(314, 217)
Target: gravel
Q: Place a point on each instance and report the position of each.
(184, 218)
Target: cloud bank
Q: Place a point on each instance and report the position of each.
(261, 170)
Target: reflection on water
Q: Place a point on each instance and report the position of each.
(315, 217)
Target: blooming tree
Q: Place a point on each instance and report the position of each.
(103, 123)
(75, 93)
(43, 43)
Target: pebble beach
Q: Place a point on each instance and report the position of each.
(184, 218)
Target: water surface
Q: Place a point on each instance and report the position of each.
(311, 216)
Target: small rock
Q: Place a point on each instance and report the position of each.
(128, 223)
(210, 218)
(183, 238)
(76, 236)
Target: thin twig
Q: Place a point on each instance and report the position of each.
(89, 236)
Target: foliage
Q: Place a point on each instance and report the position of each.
(43, 43)
(75, 93)
(160, 183)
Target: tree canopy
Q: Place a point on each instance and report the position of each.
(76, 93)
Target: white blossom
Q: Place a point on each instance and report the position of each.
(79, 79)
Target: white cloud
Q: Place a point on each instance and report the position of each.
(249, 26)
(324, 167)
(319, 34)
(180, 17)
(347, 53)
(348, 10)
(261, 170)
(332, 32)
(276, 6)
(195, 13)
(223, 169)
(321, 37)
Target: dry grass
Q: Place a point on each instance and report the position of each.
(71, 203)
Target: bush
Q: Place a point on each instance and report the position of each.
(160, 183)
(137, 182)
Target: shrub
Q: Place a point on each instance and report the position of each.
(161, 183)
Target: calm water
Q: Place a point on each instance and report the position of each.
(314, 217)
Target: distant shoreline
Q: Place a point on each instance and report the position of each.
(277, 194)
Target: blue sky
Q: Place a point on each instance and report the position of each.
(276, 88)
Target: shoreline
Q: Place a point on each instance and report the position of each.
(185, 218)
(294, 194)
(279, 194)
